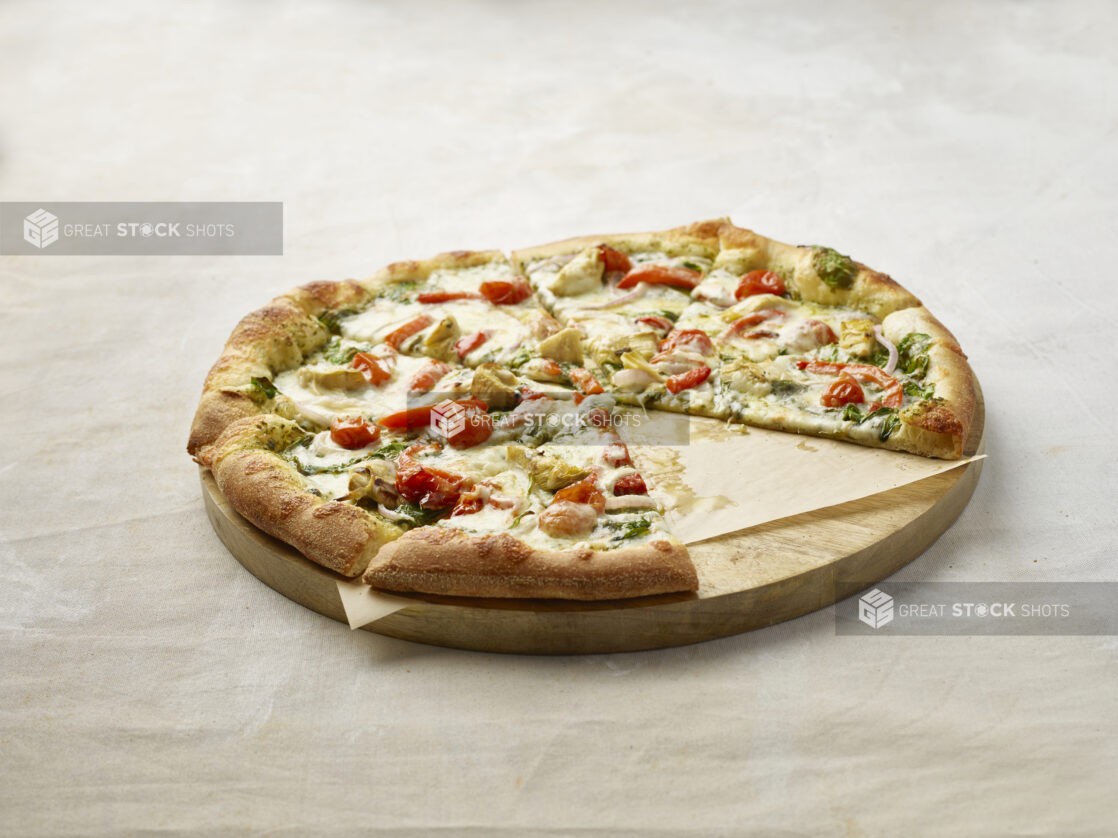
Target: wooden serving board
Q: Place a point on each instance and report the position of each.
(748, 579)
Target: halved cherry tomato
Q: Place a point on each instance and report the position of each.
(465, 345)
(629, 484)
(751, 320)
(893, 395)
(760, 282)
(427, 377)
(447, 296)
(690, 339)
(502, 292)
(617, 455)
(660, 324)
(473, 428)
(412, 327)
(684, 278)
(376, 370)
(417, 417)
(585, 381)
(584, 491)
(687, 380)
(353, 432)
(468, 503)
(843, 390)
(614, 260)
(428, 487)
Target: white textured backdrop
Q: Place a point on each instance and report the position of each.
(150, 685)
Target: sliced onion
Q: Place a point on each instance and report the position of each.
(892, 365)
(635, 294)
(630, 502)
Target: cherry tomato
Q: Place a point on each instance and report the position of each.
(428, 487)
(629, 484)
(502, 292)
(447, 296)
(412, 327)
(585, 381)
(689, 339)
(465, 345)
(843, 390)
(584, 491)
(893, 395)
(614, 260)
(687, 380)
(376, 370)
(760, 282)
(684, 278)
(427, 377)
(353, 432)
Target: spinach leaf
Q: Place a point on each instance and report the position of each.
(418, 516)
(623, 530)
(332, 320)
(912, 354)
(335, 353)
(263, 387)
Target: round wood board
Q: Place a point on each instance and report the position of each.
(748, 579)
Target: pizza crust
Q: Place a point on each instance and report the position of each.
(941, 428)
(698, 239)
(272, 494)
(446, 561)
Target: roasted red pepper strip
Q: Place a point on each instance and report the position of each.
(447, 296)
(684, 278)
(502, 292)
(412, 327)
(687, 380)
(751, 320)
(660, 324)
(893, 391)
(585, 381)
(417, 417)
(465, 345)
(614, 260)
(428, 376)
(376, 370)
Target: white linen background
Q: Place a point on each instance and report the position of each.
(151, 685)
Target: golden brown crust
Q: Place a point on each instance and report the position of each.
(698, 239)
(270, 493)
(936, 428)
(442, 560)
(420, 269)
(871, 291)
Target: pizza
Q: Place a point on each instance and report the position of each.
(451, 426)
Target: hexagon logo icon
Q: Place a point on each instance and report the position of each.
(875, 609)
(40, 228)
(448, 418)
